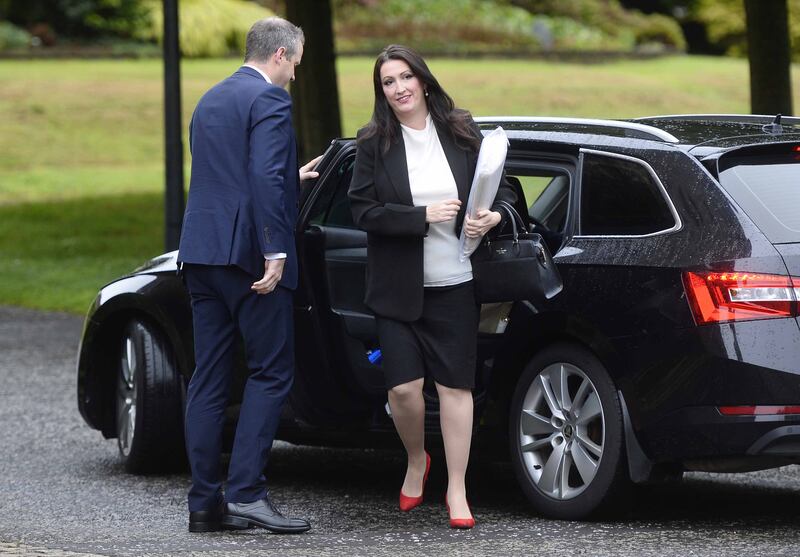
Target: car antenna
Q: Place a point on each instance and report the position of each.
(775, 127)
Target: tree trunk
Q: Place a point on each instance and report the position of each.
(768, 50)
(315, 93)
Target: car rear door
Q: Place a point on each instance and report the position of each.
(624, 255)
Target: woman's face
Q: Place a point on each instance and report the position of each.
(403, 89)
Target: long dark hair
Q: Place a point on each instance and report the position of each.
(443, 110)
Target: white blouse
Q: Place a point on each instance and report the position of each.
(432, 181)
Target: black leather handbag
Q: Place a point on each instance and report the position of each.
(516, 266)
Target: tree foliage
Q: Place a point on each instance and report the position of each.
(77, 18)
(725, 24)
(667, 7)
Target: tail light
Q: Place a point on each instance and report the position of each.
(722, 297)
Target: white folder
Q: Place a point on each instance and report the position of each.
(491, 159)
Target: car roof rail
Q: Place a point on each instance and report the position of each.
(736, 118)
(649, 131)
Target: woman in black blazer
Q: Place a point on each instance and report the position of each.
(414, 167)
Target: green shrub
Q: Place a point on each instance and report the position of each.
(82, 19)
(456, 26)
(657, 29)
(622, 29)
(208, 28)
(12, 37)
(110, 17)
(447, 26)
(570, 34)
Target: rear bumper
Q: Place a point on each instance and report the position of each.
(676, 385)
(702, 432)
(781, 441)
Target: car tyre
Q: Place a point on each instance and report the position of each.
(150, 394)
(566, 435)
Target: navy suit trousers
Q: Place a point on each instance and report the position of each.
(223, 302)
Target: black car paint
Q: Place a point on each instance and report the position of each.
(646, 337)
(672, 373)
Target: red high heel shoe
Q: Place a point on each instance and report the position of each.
(459, 523)
(407, 503)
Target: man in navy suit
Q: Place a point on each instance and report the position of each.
(238, 258)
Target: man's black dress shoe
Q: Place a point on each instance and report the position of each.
(206, 521)
(264, 515)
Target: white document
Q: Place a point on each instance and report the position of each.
(491, 159)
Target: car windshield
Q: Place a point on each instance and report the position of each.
(766, 184)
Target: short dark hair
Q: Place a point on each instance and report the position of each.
(443, 111)
(268, 35)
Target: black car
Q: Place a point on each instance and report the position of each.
(675, 344)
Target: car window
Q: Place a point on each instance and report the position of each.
(545, 189)
(765, 185)
(620, 196)
(532, 186)
(332, 207)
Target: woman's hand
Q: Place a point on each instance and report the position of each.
(483, 222)
(443, 211)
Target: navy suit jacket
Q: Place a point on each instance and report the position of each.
(243, 191)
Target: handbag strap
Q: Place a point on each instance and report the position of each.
(516, 220)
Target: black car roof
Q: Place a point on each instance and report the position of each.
(701, 134)
(724, 131)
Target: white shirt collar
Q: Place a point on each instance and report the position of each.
(265, 76)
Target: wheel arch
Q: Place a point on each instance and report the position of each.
(99, 350)
(531, 332)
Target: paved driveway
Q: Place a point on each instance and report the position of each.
(63, 492)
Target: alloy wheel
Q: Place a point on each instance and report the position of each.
(562, 431)
(126, 395)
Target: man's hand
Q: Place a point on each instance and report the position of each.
(443, 211)
(483, 222)
(306, 172)
(273, 271)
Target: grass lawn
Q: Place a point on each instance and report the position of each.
(56, 254)
(81, 161)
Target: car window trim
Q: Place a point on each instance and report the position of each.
(569, 164)
(670, 205)
(347, 151)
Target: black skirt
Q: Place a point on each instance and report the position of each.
(441, 344)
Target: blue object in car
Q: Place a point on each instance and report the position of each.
(375, 356)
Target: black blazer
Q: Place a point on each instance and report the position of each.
(382, 205)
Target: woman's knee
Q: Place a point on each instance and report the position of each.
(453, 393)
(407, 390)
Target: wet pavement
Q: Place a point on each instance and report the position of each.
(63, 491)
